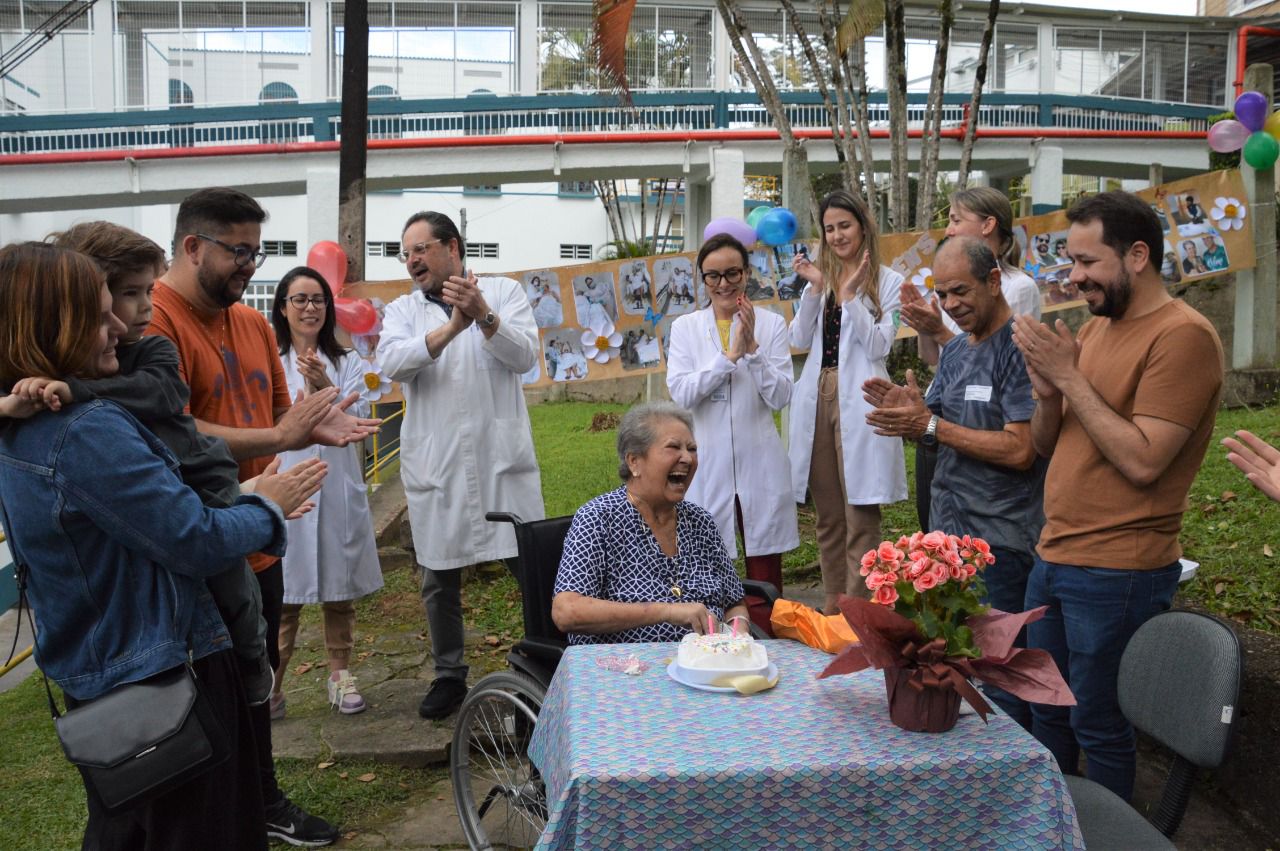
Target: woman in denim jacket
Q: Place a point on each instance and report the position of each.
(115, 547)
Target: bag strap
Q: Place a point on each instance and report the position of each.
(21, 571)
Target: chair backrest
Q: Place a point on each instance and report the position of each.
(541, 543)
(1179, 683)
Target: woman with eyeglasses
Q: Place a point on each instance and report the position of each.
(846, 321)
(730, 364)
(332, 557)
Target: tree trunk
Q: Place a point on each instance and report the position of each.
(931, 138)
(858, 71)
(837, 113)
(354, 145)
(644, 210)
(896, 79)
(975, 100)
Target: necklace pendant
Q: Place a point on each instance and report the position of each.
(675, 591)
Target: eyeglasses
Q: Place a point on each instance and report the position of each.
(729, 276)
(420, 248)
(301, 301)
(244, 256)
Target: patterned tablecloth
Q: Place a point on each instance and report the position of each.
(643, 762)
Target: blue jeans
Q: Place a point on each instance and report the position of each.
(1092, 614)
(1006, 582)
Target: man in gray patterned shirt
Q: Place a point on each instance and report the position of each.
(988, 482)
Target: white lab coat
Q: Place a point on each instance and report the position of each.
(465, 446)
(332, 553)
(874, 468)
(739, 450)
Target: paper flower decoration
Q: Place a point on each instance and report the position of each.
(923, 281)
(376, 384)
(601, 341)
(1229, 213)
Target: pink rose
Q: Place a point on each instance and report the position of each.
(925, 581)
(981, 546)
(956, 571)
(914, 542)
(940, 572)
(868, 561)
(991, 559)
(970, 571)
(951, 557)
(934, 541)
(904, 543)
(886, 595)
(888, 552)
(875, 580)
(918, 567)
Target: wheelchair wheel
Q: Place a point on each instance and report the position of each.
(500, 797)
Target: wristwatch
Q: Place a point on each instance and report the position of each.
(930, 436)
(490, 319)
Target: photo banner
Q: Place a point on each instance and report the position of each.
(612, 318)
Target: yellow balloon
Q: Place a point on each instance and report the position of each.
(1272, 124)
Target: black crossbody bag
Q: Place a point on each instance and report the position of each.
(139, 740)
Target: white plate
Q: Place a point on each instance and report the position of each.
(673, 671)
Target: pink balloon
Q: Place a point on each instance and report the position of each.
(1251, 110)
(328, 258)
(1227, 136)
(356, 315)
(736, 228)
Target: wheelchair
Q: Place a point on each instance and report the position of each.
(499, 795)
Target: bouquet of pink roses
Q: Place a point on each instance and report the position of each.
(932, 579)
(926, 628)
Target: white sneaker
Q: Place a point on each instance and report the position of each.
(343, 693)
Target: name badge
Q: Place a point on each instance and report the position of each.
(977, 393)
(720, 394)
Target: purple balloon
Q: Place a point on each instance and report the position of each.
(736, 228)
(1227, 136)
(1251, 110)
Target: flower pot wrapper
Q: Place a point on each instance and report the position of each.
(888, 640)
(830, 633)
(921, 708)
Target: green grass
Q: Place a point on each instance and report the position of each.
(1229, 527)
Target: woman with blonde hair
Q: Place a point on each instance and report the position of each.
(846, 321)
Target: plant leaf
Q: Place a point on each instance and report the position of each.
(863, 18)
(610, 20)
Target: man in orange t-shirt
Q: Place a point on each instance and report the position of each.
(1125, 412)
(228, 357)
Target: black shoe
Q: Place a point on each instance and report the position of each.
(288, 822)
(444, 696)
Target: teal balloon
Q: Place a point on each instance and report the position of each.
(754, 217)
(778, 227)
(1261, 150)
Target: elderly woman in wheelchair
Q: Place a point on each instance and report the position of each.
(640, 563)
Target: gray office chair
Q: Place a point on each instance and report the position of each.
(1179, 682)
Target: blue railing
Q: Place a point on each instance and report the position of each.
(552, 114)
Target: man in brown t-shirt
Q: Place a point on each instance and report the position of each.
(1125, 412)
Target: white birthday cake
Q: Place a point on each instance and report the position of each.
(722, 653)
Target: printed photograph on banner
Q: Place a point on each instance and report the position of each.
(1203, 252)
(664, 335)
(543, 289)
(1056, 286)
(562, 350)
(790, 285)
(1170, 268)
(1020, 239)
(673, 276)
(637, 290)
(1192, 263)
(640, 349)
(760, 275)
(1049, 250)
(1187, 210)
(594, 299)
(1162, 216)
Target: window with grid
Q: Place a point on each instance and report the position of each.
(576, 188)
(280, 247)
(486, 250)
(482, 189)
(382, 249)
(570, 251)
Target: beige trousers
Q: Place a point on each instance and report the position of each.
(845, 531)
(339, 634)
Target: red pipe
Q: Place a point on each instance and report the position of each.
(1242, 50)
(763, 135)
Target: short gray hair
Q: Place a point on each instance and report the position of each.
(982, 260)
(637, 431)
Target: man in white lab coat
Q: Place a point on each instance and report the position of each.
(458, 345)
